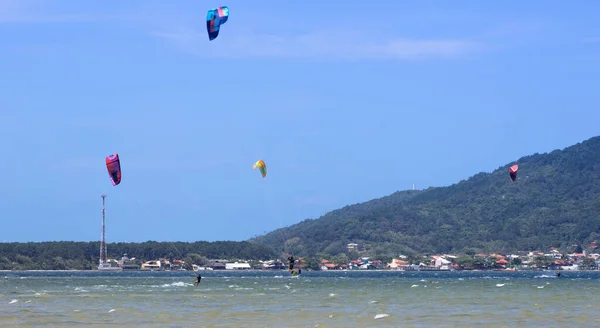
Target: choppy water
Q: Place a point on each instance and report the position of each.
(315, 299)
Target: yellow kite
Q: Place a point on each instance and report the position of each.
(261, 166)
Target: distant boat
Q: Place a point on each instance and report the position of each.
(510, 269)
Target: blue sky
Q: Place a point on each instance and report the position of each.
(345, 103)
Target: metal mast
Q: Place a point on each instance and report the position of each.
(103, 242)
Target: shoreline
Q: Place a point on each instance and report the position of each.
(284, 271)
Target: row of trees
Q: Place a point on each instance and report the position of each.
(67, 255)
(63, 256)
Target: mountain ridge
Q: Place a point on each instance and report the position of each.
(554, 202)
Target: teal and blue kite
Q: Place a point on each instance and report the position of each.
(214, 19)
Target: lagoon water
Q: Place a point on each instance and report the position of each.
(314, 299)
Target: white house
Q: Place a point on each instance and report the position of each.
(397, 264)
(438, 261)
(151, 265)
(352, 246)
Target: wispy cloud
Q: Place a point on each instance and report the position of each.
(85, 124)
(235, 42)
(591, 40)
(344, 45)
(40, 12)
(314, 199)
(140, 164)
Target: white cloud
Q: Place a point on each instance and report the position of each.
(344, 45)
(236, 42)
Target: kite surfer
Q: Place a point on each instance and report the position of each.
(198, 278)
(291, 266)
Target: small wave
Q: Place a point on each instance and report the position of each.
(332, 295)
(13, 302)
(177, 284)
(111, 310)
(544, 276)
(413, 286)
(381, 315)
(500, 285)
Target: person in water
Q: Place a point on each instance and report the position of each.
(291, 259)
(558, 275)
(197, 282)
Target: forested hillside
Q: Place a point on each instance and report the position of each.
(554, 202)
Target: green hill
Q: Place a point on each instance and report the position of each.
(555, 202)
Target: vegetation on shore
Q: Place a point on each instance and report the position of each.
(67, 255)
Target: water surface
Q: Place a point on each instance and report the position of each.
(314, 299)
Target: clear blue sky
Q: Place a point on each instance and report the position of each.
(344, 102)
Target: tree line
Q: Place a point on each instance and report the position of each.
(68, 255)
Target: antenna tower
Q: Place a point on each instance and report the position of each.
(103, 242)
